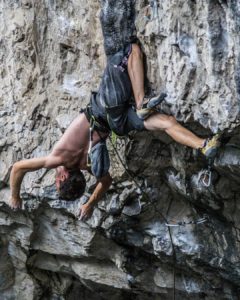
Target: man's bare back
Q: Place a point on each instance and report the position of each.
(70, 152)
(75, 142)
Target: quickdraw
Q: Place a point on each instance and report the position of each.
(205, 177)
(91, 128)
(153, 7)
(183, 223)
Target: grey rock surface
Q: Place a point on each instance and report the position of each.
(51, 57)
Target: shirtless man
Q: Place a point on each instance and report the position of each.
(110, 107)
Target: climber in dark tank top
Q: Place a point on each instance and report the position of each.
(110, 107)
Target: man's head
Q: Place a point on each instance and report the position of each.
(70, 184)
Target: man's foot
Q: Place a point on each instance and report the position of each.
(211, 146)
(149, 106)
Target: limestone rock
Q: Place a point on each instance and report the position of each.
(52, 56)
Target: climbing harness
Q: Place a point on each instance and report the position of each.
(98, 123)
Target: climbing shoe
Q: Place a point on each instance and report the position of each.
(149, 106)
(210, 147)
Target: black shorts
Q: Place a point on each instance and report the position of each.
(112, 101)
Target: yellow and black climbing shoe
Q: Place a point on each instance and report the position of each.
(211, 146)
(149, 106)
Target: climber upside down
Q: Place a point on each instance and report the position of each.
(109, 109)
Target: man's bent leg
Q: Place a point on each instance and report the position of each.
(174, 129)
(136, 74)
(145, 106)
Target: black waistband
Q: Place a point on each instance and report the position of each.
(99, 123)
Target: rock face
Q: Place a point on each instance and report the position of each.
(51, 57)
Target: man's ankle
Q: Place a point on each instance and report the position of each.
(203, 144)
(139, 103)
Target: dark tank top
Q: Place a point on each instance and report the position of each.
(117, 20)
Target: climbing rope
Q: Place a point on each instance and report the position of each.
(169, 225)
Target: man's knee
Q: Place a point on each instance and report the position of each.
(159, 122)
(165, 121)
(170, 121)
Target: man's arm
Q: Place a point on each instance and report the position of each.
(20, 168)
(102, 186)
